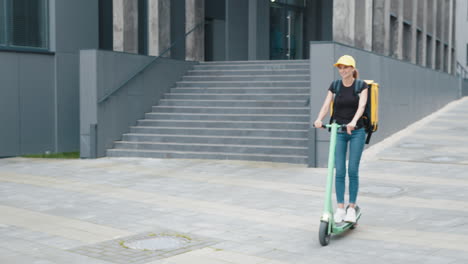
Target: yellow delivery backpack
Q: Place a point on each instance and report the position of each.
(370, 116)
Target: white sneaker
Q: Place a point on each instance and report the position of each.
(350, 215)
(339, 215)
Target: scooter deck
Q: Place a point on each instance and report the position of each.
(341, 227)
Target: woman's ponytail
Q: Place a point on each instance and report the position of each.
(355, 73)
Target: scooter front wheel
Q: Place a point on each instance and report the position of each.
(324, 235)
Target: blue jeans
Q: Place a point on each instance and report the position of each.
(356, 146)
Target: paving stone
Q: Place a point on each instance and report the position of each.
(414, 206)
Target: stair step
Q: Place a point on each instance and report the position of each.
(250, 78)
(272, 66)
(237, 110)
(214, 96)
(193, 147)
(223, 124)
(243, 90)
(206, 84)
(236, 72)
(233, 103)
(297, 159)
(268, 141)
(227, 117)
(236, 132)
(263, 62)
(232, 110)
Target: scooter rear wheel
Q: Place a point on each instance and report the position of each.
(324, 235)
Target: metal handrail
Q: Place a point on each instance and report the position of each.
(461, 71)
(107, 95)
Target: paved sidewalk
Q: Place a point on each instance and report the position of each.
(413, 195)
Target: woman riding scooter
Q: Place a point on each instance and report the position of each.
(348, 110)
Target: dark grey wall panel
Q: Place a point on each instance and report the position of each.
(259, 30)
(464, 91)
(215, 9)
(9, 105)
(46, 86)
(102, 72)
(36, 86)
(88, 101)
(116, 67)
(237, 30)
(408, 92)
(263, 34)
(67, 92)
(218, 47)
(178, 29)
(26, 103)
(76, 25)
(321, 77)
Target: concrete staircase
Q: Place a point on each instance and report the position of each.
(246, 110)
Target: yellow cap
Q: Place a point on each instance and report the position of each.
(346, 60)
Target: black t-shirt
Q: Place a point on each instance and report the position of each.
(346, 103)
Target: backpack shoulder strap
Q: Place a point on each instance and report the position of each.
(358, 86)
(336, 86)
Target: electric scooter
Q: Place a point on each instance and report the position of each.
(327, 222)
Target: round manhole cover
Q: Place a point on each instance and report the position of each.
(161, 242)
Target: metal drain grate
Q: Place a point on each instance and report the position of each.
(146, 247)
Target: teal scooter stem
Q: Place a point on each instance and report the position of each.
(327, 223)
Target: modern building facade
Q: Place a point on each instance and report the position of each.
(40, 44)
(419, 31)
(39, 72)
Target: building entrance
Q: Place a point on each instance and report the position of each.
(286, 27)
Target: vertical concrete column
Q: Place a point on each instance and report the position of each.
(434, 34)
(344, 21)
(363, 24)
(195, 41)
(400, 17)
(159, 27)
(88, 93)
(450, 28)
(378, 24)
(125, 16)
(423, 11)
(368, 25)
(414, 31)
(443, 15)
(237, 33)
(387, 27)
(118, 21)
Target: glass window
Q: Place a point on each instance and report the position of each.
(393, 36)
(429, 51)
(407, 39)
(25, 23)
(2, 23)
(106, 25)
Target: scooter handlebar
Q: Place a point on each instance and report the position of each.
(323, 126)
(341, 126)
